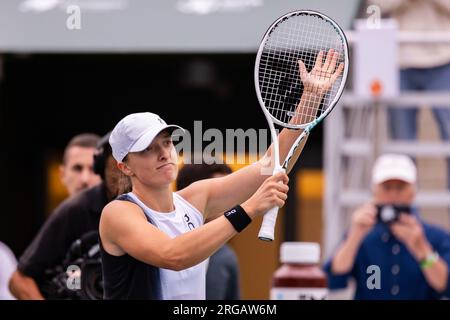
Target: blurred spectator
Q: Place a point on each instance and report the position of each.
(76, 169)
(71, 220)
(424, 67)
(222, 276)
(412, 256)
(8, 264)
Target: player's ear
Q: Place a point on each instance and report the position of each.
(125, 169)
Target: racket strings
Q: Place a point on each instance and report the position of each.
(296, 38)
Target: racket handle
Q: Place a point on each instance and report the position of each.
(267, 230)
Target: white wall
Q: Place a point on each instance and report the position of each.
(150, 26)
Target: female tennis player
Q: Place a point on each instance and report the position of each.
(153, 241)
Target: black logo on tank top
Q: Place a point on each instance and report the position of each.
(189, 223)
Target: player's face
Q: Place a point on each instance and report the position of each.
(157, 164)
(394, 192)
(77, 172)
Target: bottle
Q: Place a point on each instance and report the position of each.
(299, 277)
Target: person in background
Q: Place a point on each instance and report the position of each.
(8, 264)
(411, 256)
(76, 170)
(73, 218)
(423, 66)
(222, 275)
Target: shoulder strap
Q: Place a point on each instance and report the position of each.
(127, 197)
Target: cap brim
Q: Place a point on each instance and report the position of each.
(147, 138)
(393, 176)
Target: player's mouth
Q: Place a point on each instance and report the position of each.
(166, 165)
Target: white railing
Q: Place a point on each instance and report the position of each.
(410, 37)
(357, 152)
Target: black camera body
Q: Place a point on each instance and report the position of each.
(84, 256)
(388, 214)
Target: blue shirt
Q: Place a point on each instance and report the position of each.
(222, 276)
(401, 276)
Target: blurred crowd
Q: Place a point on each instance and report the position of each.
(411, 257)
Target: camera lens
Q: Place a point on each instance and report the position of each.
(387, 214)
(92, 281)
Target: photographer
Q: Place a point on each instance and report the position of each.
(66, 238)
(412, 256)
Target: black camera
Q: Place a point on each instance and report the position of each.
(387, 213)
(79, 277)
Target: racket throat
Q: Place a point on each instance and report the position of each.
(278, 168)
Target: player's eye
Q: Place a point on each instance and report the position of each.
(146, 150)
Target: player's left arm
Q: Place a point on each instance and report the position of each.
(214, 196)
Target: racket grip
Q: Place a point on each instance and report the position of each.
(267, 231)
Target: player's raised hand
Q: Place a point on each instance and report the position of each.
(323, 75)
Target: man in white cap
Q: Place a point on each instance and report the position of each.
(388, 249)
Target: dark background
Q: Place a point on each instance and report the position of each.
(46, 99)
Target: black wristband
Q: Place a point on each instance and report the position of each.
(238, 218)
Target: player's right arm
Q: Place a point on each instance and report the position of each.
(124, 229)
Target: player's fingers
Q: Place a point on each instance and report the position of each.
(281, 176)
(302, 68)
(281, 195)
(328, 60)
(338, 72)
(281, 187)
(278, 202)
(333, 62)
(285, 179)
(319, 60)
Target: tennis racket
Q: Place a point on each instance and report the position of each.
(300, 73)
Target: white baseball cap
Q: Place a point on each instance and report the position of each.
(394, 166)
(136, 132)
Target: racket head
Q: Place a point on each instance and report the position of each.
(297, 35)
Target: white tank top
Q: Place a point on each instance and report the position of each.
(187, 284)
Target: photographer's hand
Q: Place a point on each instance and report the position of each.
(363, 220)
(409, 231)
